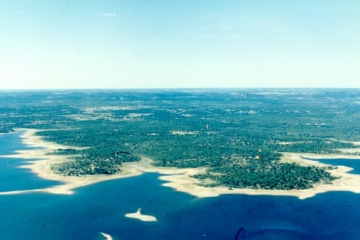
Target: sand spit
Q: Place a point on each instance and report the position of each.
(179, 179)
(138, 215)
(106, 236)
(183, 133)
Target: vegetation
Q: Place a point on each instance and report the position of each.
(237, 135)
(265, 175)
(94, 165)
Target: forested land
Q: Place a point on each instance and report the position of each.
(238, 135)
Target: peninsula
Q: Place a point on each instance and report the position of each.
(214, 142)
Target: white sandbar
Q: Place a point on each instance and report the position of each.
(107, 236)
(138, 215)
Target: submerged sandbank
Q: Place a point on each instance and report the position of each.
(141, 217)
(178, 179)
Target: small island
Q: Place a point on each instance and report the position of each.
(141, 217)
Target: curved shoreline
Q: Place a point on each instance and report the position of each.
(177, 179)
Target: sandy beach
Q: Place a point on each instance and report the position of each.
(176, 178)
(347, 182)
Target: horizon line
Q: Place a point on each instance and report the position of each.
(178, 88)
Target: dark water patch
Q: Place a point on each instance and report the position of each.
(271, 217)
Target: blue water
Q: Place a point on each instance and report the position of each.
(11, 142)
(101, 208)
(12, 177)
(353, 163)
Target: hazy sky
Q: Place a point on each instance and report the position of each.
(179, 44)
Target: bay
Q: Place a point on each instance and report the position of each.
(12, 176)
(102, 207)
(353, 163)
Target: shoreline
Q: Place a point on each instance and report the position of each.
(42, 169)
(347, 182)
(177, 179)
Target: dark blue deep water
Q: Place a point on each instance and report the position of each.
(101, 208)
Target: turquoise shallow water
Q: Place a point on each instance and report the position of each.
(101, 208)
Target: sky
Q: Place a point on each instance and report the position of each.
(102, 44)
